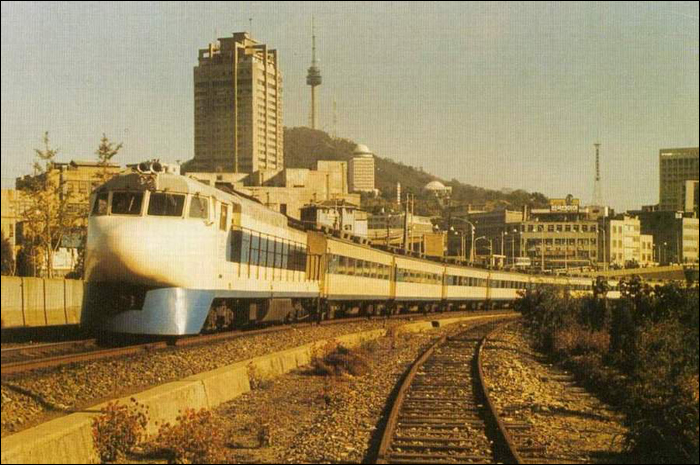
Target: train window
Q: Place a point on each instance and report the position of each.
(100, 207)
(264, 244)
(279, 254)
(271, 253)
(292, 261)
(199, 207)
(236, 240)
(285, 256)
(162, 204)
(351, 266)
(223, 218)
(126, 203)
(333, 262)
(254, 248)
(245, 247)
(302, 264)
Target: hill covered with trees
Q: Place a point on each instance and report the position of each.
(303, 147)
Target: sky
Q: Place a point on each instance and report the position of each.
(498, 95)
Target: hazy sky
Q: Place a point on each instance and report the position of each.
(494, 94)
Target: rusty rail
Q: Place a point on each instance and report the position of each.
(16, 367)
(438, 416)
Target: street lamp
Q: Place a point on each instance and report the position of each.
(664, 254)
(471, 250)
(512, 243)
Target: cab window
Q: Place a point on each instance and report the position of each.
(162, 204)
(127, 203)
(100, 206)
(199, 207)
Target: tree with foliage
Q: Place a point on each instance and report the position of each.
(8, 262)
(105, 152)
(46, 215)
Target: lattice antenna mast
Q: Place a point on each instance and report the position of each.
(597, 189)
(313, 78)
(335, 119)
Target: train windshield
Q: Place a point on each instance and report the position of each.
(100, 206)
(127, 203)
(162, 204)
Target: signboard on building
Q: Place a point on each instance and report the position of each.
(568, 204)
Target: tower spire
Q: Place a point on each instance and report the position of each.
(313, 78)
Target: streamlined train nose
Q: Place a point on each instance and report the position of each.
(138, 250)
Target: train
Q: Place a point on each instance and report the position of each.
(168, 255)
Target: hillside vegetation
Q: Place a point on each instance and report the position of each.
(304, 146)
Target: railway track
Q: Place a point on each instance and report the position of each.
(515, 426)
(28, 358)
(441, 413)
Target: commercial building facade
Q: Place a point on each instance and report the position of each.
(624, 244)
(237, 108)
(676, 166)
(675, 235)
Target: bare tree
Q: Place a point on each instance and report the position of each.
(7, 260)
(105, 152)
(45, 212)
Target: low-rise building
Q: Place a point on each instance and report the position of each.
(623, 244)
(337, 215)
(289, 190)
(77, 178)
(675, 235)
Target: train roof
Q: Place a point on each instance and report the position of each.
(175, 183)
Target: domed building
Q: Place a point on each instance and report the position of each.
(361, 170)
(438, 188)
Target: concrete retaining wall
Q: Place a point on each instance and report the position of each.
(36, 302)
(69, 439)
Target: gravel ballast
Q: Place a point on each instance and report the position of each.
(31, 398)
(569, 423)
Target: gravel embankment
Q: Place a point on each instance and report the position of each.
(32, 398)
(321, 419)
(566, 420)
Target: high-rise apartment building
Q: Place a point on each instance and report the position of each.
(361, 170)
(675, 167)
(237, 107)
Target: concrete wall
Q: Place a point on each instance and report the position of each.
(35, 302)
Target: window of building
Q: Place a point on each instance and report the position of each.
(162, 204)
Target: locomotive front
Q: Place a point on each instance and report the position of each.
(149, 253)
